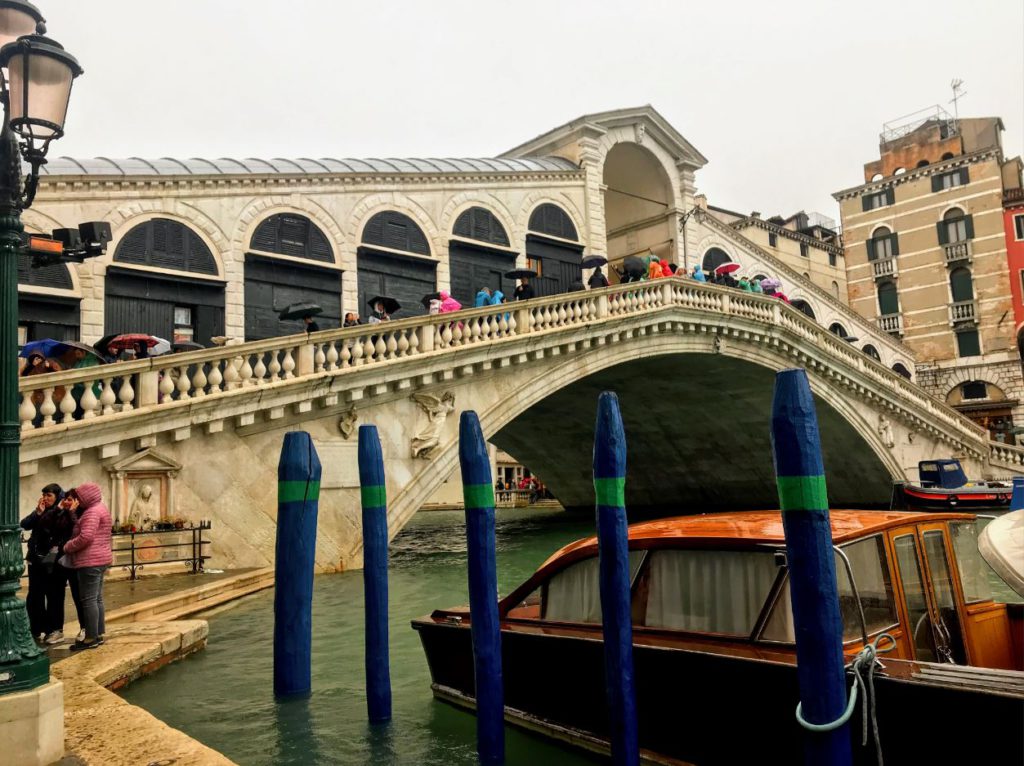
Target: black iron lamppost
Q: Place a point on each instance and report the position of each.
(36, 86)
(682, 230)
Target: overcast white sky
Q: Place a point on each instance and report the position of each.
(785, 98)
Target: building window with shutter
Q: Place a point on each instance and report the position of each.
(968, 343)
(958, 177)
(882, 244)
(832, 259)
(773, 239)
(1018, 226)
(956, 226)
(878, 199)
(975, 389)
(888, 299)
(804, 250)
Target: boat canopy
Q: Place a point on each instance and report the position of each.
(947, 474)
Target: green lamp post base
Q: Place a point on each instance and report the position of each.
(23, 665)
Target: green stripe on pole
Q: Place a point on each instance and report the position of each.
(478, 495)
(802, 493)
(373, 497)
(611, 492)
(297, 491)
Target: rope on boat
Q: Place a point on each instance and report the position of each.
(868, 656)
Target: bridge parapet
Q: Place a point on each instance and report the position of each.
(131, 392)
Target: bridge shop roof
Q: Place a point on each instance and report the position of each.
(168, 166)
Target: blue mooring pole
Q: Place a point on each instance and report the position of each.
(800, 476)
(613, 553)
(478, 493)
(375, 574)
(298, 494)
(1017, 498)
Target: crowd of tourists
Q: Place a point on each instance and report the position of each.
(69, 547)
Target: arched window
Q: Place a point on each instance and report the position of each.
(871, 351)
(899, 171)
(760, 277)
(835, 289)
(948, 156)
(877, 177)
(481, 224)
(837, 329)
(922, 164)
(888, 300)
(956, 226)
(294, 235)
(899, 369)
(882, 244)
(552, 220)
(55, 276)
(804, 307)
(806, 275)
(961, 285)
(396, 231)
(165, 244)
(714, 258)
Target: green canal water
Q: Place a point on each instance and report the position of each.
(223, 696)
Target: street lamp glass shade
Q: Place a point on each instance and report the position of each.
(17, 19)
(39, 77)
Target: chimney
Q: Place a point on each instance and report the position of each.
(755, 214)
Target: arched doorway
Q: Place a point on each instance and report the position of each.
(394, 260)
(837, 329)
(638, 209)
(553, 250)
(714, 258)
(305, 274)
(804, 307)
(184, 301)
(479, 254)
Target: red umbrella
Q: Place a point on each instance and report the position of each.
(781, 297)
(131, 340)
(727, 268)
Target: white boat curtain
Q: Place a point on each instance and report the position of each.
(574, 594)
(708, 591)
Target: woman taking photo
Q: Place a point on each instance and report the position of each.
(90, 555)
(41, 557)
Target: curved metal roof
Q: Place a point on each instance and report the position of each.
(169, 166)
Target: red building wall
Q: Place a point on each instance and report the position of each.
(1015, 258)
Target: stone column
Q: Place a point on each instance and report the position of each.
(32, 725)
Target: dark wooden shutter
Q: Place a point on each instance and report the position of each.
(166, 244)
(965, 176)
(870, 245)
(395, 231)
(56, 275)
(480, 224)
(865, 203)
(943, 234)
(890, 196)
(294, 235)
(969, 226)
(551, 219)
(937, 183)
(894, 238)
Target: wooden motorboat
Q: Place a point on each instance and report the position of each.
(944, 486)
(714, 653)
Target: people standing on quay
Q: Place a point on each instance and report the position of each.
(41, 558)
(89, 551)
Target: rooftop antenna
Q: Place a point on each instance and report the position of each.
(958, 92)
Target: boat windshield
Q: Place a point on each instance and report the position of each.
(874, 584)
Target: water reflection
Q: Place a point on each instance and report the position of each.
(297, 742)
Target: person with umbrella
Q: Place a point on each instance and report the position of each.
(305, 311)
(597, 278)
(383, 307)
(524, 290)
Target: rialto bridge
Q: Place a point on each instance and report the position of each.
(693, 365)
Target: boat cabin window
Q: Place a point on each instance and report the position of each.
(867, 560)
(574, 595)
(975, 574)
(708, 591)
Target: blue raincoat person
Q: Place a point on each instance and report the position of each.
(483, 298)
(698, 274)
(497, 298)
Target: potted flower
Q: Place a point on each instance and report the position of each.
(180, 522)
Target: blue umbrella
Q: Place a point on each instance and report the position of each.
(46, 347)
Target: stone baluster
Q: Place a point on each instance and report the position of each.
(48, 408)
(403, 342)
(345, 356)
(446, 335)
(127, 394)
(369, 349)
(288, 364)
(274, 368)
(413, 342)
(199, 381)
(457, 333)
(215, 378)
(184, 383)
(27, 411)
(380, 348)
(320, 358)
(107, 398)
(68, 405)
(231, 381)
(356, 351)
(562, 315)
(331, 357)
(391, 345)
(259, 371)
(89, 402)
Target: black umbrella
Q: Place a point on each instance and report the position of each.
(186, 345)
(593, 261)
(426, 299)
(101, 344)
(634, 265)
(520, 274)
(300, 310)
(390, 304)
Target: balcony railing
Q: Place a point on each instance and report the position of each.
(958, 251)
(891, 323)
(1013, 195)
(884, 267)
(962, 311)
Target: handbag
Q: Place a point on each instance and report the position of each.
(65, 561)
(48, 560)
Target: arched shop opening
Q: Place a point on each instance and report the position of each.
(553, 250)
(714, 258)
(46, 314)
(479, 255)
(182, 302)
(272, 282)
(394, 260)
(638, 208)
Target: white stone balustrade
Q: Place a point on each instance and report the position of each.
(891, 323)
(884, 267)
(962, 311)
(958, 251)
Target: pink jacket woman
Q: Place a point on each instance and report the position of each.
(89, 545)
